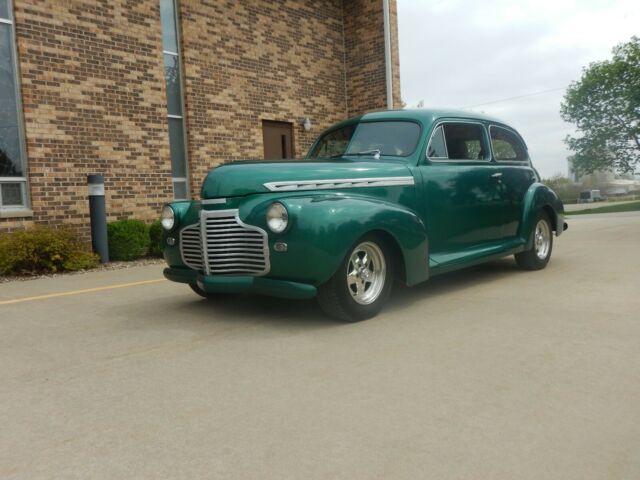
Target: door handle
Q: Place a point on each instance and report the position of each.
(497, 175)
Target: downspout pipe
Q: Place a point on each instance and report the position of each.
(387, 54)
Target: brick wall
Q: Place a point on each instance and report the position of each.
(249, 61)
(94, 99)
(365, 55)
(94, 102)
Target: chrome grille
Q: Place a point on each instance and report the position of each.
(230, 247)
(191, 246)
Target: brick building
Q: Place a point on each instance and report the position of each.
(153, 93)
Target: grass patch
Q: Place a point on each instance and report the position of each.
(625, 207)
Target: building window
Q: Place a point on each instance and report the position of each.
(175, 104)
(13, 181)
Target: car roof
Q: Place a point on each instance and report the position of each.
(427, 115)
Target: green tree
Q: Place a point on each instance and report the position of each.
(564, 187)
(557, 181)
(605, 106)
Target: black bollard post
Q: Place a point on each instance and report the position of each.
(98, 213)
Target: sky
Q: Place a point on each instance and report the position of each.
(480, 55)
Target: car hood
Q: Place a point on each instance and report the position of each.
(248, 177)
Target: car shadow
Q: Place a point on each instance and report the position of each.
(259, 309)
(452, 282)
(185, 308)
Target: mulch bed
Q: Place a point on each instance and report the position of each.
(109, 266)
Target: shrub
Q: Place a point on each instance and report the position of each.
(43, 249)
(128, 239)
(155, 239)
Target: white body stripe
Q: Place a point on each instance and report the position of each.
(293, 185)
(213, 201)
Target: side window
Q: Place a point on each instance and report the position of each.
(458, 141)
(437, 147)
(465, 141)
(506, 145)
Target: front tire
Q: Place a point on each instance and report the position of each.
(361, 285)
(537, 257)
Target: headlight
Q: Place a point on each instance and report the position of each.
(168, 217)
(277, 217)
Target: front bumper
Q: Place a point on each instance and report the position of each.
(241, 284)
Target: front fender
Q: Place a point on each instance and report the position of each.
(186, 213)
(539, 197)
(323, 228)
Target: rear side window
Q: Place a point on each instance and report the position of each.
(506, 145)
(457, 141)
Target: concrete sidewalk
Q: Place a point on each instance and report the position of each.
(488, 373)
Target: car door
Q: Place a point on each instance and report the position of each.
(462, 202)
(512, 162)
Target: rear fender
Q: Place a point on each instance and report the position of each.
(540, 197)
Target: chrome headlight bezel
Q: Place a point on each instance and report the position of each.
(168, 218)
(277, 217)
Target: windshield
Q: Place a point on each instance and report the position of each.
(397, 138)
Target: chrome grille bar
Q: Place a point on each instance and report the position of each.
(191, 246)
(221, 244)
(231, 246)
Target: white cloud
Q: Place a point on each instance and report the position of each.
(457, 53)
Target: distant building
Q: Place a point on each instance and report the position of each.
(607, 181)
(599, 176)
(153, 93)
(622, 186)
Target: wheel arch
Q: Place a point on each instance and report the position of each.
(400, 268)
(538, 198)
(326, 227)
(553, 216)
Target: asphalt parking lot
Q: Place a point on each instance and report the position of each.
(489, 373)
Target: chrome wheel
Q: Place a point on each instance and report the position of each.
(366, 273)
(542, 239)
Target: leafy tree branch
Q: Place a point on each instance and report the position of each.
(605, 106)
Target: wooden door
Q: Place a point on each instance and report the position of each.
(278, 140)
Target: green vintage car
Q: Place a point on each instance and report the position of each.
(388, 196)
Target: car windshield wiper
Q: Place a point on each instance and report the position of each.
(374, 153)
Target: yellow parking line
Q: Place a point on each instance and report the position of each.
(77, 292)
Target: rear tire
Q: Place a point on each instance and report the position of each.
(362, 284)
(537, 257)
